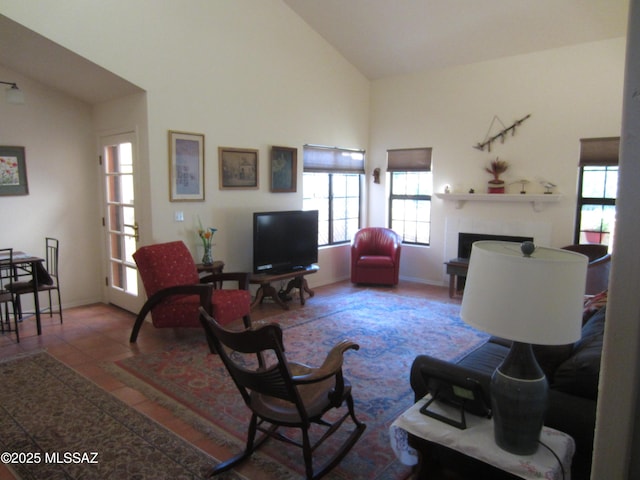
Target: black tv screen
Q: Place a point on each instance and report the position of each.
(284, 241)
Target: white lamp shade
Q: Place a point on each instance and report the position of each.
(537, 299)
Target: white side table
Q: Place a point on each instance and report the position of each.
(477, 441)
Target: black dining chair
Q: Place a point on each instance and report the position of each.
(48, 280)
(7, 297)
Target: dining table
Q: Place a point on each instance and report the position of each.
(26, 265)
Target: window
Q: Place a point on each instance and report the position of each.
(597, 190)
(411, 187)
(332, 184)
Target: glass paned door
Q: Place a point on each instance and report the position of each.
(121, 227)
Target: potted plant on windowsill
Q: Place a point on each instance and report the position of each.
(496, 168)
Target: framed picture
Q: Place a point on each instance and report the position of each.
(13, 171)
(238, 168)
(186, 167)
(284, 169)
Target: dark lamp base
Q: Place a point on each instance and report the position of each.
(519, 393)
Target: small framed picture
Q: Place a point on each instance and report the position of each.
(238, 168)
(186, 167)
(284, 169)
(13, 171)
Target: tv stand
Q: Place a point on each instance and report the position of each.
(296, 280)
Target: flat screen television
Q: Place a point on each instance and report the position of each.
(284, 241)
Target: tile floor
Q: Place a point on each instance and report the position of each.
(97, 333)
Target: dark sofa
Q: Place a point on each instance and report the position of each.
(572, 371)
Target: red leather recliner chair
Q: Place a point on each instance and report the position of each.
(375, 256)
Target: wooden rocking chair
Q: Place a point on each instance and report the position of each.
(282, 393)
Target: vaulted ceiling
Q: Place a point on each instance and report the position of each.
(395, 37)
(379, 37)
(30, 54)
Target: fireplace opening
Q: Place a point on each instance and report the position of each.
(457, 267)
(466, 240)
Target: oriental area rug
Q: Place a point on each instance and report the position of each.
(391, 330)
(56, 424)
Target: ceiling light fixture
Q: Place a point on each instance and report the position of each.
(13, 94)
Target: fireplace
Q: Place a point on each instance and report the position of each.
(492, 229)
(457, 267)
(465, 241)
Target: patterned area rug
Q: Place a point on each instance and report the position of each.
(391, 330)
(56, 424)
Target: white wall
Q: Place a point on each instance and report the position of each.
(244, 73)
(58, 137)
(571, 93)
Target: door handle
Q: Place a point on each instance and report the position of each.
(136, 231)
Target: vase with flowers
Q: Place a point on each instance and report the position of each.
(496, 168)
(206, 234)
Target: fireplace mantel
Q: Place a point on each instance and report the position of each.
(536, 200)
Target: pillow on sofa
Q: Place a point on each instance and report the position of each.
(593, 327)
(579, 374)
(593, 303)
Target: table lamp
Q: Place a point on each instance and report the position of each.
(530, 295)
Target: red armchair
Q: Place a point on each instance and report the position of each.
(598, 268)
(173, 288)
(375, 256)
(598, 272)
(592, 250)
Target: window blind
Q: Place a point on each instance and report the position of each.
(333, 159)
(599, 151)
(409, 160)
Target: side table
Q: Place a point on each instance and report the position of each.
(477, 441)
(216, 267)
(457, 269)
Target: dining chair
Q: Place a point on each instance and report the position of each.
(7, 298)
(282, 393)
(48, 279)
